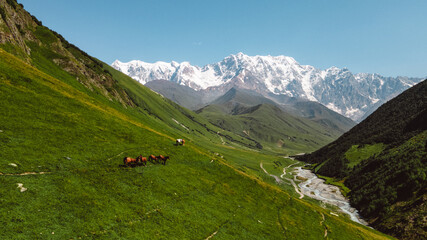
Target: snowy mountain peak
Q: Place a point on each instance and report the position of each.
(240, 54)
(116, 62)
(337, 88)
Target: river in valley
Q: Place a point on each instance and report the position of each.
(314, 187)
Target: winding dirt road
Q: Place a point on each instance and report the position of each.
(284, 170)
(292, 181)
(278, 180)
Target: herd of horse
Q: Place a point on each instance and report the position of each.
(128, 161)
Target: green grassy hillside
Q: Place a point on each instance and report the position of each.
(383, 162)
(67, 122)
(274, 129)
(78, 142)
(237, 100)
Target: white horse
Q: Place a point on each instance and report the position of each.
(180, 141)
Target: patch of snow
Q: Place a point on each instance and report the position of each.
(333, 108)
(307, 87)
(351, 111)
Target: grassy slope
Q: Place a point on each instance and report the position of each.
(274, 129)
(51, 126)
(75, 126)
(357, 154)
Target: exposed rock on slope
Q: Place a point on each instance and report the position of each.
(24, 36)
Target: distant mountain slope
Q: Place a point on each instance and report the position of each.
(383, 160)
(322, 115)
(250, 115)
(240, 101)
(237, 98)
(351, 95)
(183, 95)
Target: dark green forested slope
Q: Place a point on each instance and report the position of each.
(67, 120)
(384, 162)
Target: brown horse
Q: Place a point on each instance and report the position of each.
(143, 160)
(128, 160)
(153, 158)
(162, 158)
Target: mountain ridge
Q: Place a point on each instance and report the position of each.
(351, 95)
(237, 99)
(280, 128)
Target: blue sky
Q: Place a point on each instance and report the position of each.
(383, 36)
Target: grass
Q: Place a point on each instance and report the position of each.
(339, 183)
(357, 153)
(278, 133)
(79, 137)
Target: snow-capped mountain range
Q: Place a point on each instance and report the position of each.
(352, 95)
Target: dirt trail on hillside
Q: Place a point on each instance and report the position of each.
(24, 173)
(278, 180)
(284, 170)
(222, 140)
(213, 234)
(301, 195)
(322, 223)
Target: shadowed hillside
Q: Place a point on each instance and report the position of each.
(383, 162)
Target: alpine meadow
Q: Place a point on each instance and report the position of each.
(69, 120)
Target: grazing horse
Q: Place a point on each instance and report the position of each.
(180, 141)
(153, 158)
(128, 160)
(143, 160)
(162, 158)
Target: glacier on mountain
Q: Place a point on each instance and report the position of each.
(351, 95)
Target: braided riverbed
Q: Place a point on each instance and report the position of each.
(316, 188)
